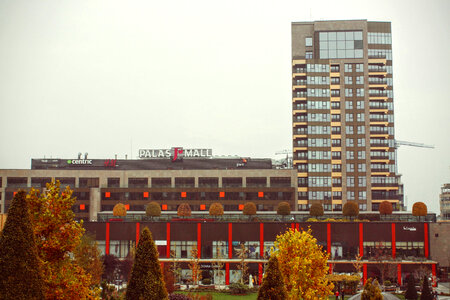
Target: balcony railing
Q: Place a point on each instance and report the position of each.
(379, 157)
(299, 70)
(378, 94)
(299, 95)
(300, 119)
(374, 80)
(379, 120)
(299, 82)
(378, 106)
(379, 132)
(377, 56)
(379, 145)
(299, 106)
(378, 170)
(377, 69)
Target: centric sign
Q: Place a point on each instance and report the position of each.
(79, 162)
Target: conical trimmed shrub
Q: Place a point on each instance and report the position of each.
(20, 274)
(411, 292)
(426, 293)
(146, 280)
(272, 287)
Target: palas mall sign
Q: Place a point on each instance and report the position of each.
(175, 153)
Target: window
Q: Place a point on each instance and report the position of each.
(359, 104)
(350, 195)
(361, 142)
(362, 181)
(349, 117)
(359, 80)
(361, 168)
(350, 143)
(361, 129)
(308, 41)
(362, 195)
(348, 80)
(335, 80)
(350, 155)
(360, 117)
(359, 67)
(341, 44)
(348, 105)
(350, 181)
(348, 93)
(308, 55)
(350, 167)
(349, 129)
(361, 155)
(348, 68)
(360, 92)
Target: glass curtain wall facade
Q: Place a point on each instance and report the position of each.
(343, 114)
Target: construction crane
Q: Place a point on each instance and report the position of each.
(404, 143)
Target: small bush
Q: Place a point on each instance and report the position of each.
(284, 208)
(350, 209)
(153, 210)
(316, 210)
(249, 208)
(119, 210)
(238, 289)
(312, 220)
(179, 297)
(216, 209)
(184, 210)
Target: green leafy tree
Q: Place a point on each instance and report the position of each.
(272, 286)
(426, 293)
(371, 291)
(57, 234)
(87, 255)
(411, 292)
(303, 265)
(20, 276)
(146, 280)
(350, 209)
(184, 210)
(316, 210)
(153, 210)
(284, 209)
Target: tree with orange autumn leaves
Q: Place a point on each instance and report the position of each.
(303, 265)
(57, 235)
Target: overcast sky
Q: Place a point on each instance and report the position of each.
(110, 77)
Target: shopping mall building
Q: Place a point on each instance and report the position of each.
(397, 244)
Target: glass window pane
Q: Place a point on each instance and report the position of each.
(341, 45)
(341, 36)
(323, 36)
(349, 53)
(324, 54)
(358, 53)
(331, 45)
(323, 45)
(332, 54)
(332, 36)
(308, 41)
(358, 35)
(341, 54)
(349, 45)
(349, 35)
(358, 44)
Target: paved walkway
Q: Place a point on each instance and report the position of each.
(386, 296)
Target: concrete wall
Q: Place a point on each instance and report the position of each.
(440, 243)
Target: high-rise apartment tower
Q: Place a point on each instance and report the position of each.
(343, 114)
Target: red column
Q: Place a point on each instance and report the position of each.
(261, 240)
(199, 239)
(260, 273)
(230, 242)
(361, 239)
(168, 239)
(293, 225)
(328, 237)
(138, 230)
(433, 272)
(399, 274)
(107, 239)
(330, 266)
(364, 273)
(227, 273)
(393, 239)
(297, 226)
(425, 239)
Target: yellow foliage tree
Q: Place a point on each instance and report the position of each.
(119, 210)
(57, 236)
(303, 265)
